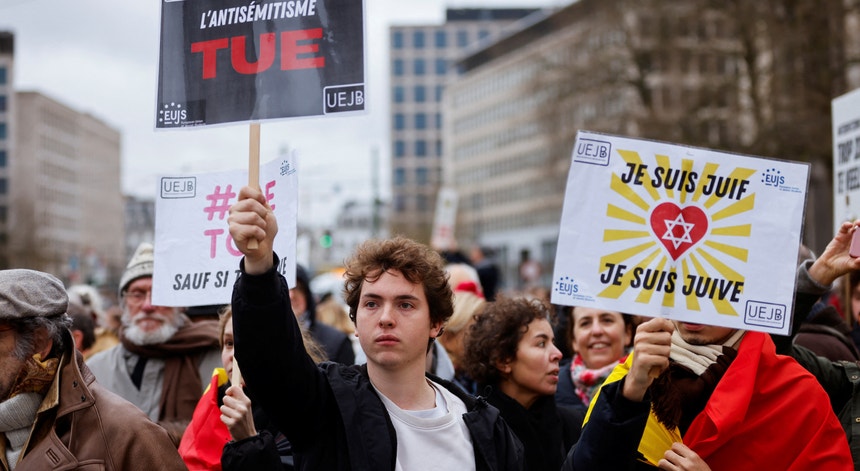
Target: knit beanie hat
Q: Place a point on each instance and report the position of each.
(139, 266)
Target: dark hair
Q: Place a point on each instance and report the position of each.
(55, 327)
(496, 333)
(83, 322)
(416, 262)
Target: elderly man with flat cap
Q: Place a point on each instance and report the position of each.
(163, 361)
(53, 413)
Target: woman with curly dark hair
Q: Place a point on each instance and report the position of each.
(510, 354)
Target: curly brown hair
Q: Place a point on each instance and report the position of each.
(418, 264)
(496, 333)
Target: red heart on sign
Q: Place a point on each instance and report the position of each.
(678, 229)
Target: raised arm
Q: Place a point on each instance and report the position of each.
(835, 261)
(268, 341)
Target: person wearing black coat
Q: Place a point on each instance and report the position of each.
(341, 417)
(509, 351)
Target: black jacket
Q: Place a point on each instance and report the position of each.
(547, 431)
(331, 414)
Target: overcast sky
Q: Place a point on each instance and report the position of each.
(101, 57)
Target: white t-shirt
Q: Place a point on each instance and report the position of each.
(433, 439)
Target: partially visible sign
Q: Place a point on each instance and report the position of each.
(846, 158)
(691, 234)
(227, 61)
(196, 261)
(444, 220)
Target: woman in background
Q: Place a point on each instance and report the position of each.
(600, 340)
(509, 352)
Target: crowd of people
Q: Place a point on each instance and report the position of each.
(431, 364)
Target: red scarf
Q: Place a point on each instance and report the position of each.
(587, 381)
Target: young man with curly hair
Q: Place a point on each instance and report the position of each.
(387, 414)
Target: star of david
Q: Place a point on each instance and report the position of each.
(670, 231)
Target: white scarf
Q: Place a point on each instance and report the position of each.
(17, 415)
(699, 357)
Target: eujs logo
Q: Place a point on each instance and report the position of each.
(566, 286)
(172, 114)
(772, 177)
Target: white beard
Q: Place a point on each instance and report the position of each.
(138, 336)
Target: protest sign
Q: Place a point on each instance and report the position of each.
(226, 61)
(444, 220)
(846, 158)
(691, 234)
(196, 261)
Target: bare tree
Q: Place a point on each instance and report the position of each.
(748, 76)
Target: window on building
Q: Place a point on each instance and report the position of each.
(2, 186)
(397, 65)
(439, 90)
(398, 95)
(419, 67)
(421, 175)
(420, 121)
(3, 214)
(421, 203)
(438, 120)
(441, 39)
(421, 148)
(418, 39)
(2, 130)
(441, 66)
(399, 121)
(397, 40)
(2, 75)
(420, 94)
(2, 103)
(483, 34)
(439, 149)
(400, 203)
(462, 38)
(399, 177)
(399, 149)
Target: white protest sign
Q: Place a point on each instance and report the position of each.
(444, 220)
(691, 234)
(846, 158)
(196, 261)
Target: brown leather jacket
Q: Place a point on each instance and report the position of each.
(94, 429)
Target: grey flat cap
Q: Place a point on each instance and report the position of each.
(30, 293)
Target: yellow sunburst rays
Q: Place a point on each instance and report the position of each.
(650, 254)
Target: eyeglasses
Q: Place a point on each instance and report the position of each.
(137, 296)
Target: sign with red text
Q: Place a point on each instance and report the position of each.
(226, 61)
(691, 234)
(846, 158)
(196, 260)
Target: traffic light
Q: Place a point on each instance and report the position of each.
(325, 240)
